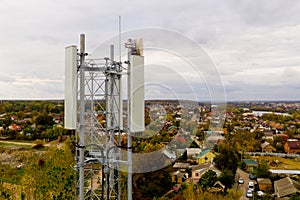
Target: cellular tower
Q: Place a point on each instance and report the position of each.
(94, 110)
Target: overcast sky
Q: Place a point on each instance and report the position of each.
(254, 44)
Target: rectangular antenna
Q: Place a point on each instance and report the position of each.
(137, 105)
(70, 116)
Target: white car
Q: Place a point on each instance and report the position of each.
(251, 186)
(241, 181)
(260, 193)
(249, 194)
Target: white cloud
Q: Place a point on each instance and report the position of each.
(247, 40)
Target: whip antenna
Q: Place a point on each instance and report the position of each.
(120, 50)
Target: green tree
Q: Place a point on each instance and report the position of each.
(44, 119)
(227, 178)
(227, 158)
(208, 179)
(262, 171)
(53, 133)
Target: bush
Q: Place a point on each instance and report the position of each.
(38, 146)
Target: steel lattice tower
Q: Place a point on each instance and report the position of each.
(95, 85)
(99, 126)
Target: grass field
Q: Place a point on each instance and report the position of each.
(280, 163)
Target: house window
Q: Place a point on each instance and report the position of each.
(197, 174)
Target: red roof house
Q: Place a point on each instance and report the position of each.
(292, 146)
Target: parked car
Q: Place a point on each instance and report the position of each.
(241, 181)
(249, 194)
(252, 176)
(251, 186)
(260, 193)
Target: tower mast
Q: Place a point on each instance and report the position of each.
(97, 85)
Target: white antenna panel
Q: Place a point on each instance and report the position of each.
(70, 116)
(137, 105)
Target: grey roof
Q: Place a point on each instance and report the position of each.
(286, 186)
(181, 165)
(201, 166)
(265, 144)
(205, 167)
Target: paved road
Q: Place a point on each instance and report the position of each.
(241, 174)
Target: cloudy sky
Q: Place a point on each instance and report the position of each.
(253, 44)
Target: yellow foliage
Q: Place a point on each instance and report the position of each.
(194, 192)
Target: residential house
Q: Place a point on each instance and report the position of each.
(267, 147)
(264, 184)
(172, 129)
(193, 153)
(181, 166)
(180, 138)
(206, 156)
(283, 136)
(292, 146)
(213, 138)
(58, 118)
(25, 120)
(286, 187)
(15, 127)
(13, 118)
(179, 177)
(199, 170)
(250, 164)
(218, 187)
(268, 135)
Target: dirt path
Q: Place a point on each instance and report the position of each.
(17, 143)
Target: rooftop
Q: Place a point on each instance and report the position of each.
(181, 165)
(286, 186)
(294, 144)
(250, 162)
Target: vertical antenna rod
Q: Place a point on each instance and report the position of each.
(129, 139)
(120, 46)
(81, 118)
